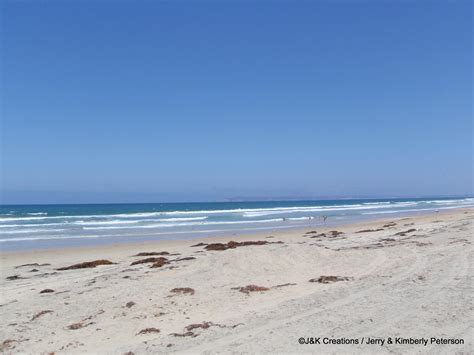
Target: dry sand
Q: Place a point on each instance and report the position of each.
(414, 285)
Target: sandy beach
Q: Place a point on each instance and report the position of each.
(403, 278)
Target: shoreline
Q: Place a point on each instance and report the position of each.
(390, 277)
(235, 235)
(58, 227)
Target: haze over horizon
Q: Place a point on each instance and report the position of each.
(149, 102)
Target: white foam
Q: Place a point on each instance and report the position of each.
(168, 225)
(9, 219)
(312, 209)
(40, 237)
(167, 213)
(183, 219)
(116, 221)
(246, 211)
(300, 218)
(33, 225)
(25, 231)
(119, 221)
(449, 202)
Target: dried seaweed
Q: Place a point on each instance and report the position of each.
(87, 264)
(233, 244)
(404, 233)
(370, 230)
(251, 288)
(148, 330)
(153, 253)
(329, 279)
(37, 315)
(148, 260)
(183, 290)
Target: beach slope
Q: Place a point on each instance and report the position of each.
(401, 278)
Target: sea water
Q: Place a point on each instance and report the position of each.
(26, 227)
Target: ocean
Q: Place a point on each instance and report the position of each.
(28, 227)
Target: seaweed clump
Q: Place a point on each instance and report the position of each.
(86, 265)
(329, 279)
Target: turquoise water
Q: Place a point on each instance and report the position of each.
(48, 226)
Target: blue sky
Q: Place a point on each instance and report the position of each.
(157, 101)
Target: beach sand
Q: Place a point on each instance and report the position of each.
(406, 277)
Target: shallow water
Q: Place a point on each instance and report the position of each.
(52, 226)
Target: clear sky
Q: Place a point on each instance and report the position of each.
(123, 101)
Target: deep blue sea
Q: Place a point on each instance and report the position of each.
(53, 226)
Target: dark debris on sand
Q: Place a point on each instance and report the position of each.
(251, 288)
(370, 230)
(204, 325)
(150, 260)
(186, 334)
(32, 264)
(37, 315)
(14, 277)
(75, 326)
(330, 279)
(284, 285)
(233, 245)
(152, 253)
(87, 264)
(148, 330)
(254, 288)
(404, 233)
(79, 325)
(8, 345)
(184, 259)
(198, 245)
(330, 234)
(160, 263)
(183, 290)
(47, 290)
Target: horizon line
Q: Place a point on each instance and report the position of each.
(250, 200)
